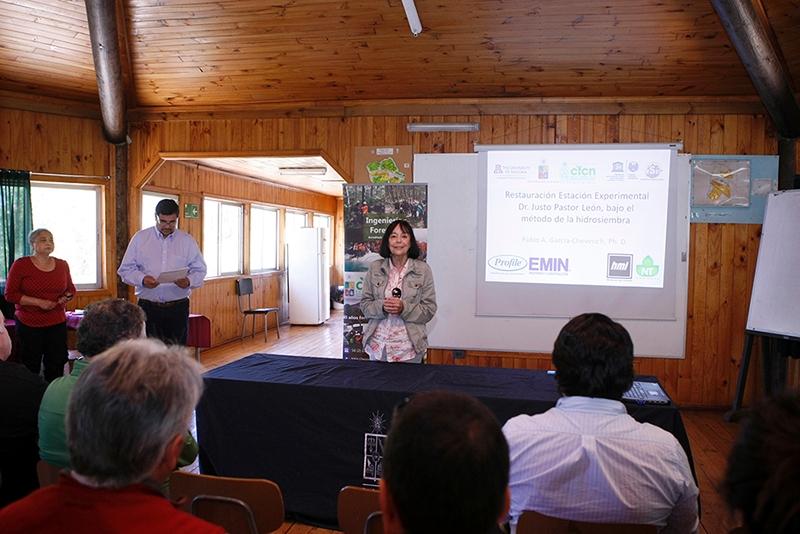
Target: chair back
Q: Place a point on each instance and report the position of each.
(232, 514)
(354, 506)
(531, 522)
(374, 523)
(244, 288)
(263, 496)
(47, 473)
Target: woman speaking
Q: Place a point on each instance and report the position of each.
(40, 285)
(398, 299)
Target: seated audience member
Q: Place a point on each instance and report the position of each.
(20, 394)
(586, 459)
(763, 477)
(445, 467)
(126, 421)
(104, 324)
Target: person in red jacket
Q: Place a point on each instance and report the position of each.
(40, 285)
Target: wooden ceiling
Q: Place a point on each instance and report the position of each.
(201, 54)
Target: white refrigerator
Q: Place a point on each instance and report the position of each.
(309, 276)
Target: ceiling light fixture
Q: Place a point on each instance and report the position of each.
(443, 127)
(413, 17)
(303, 171)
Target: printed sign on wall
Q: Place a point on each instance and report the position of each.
(383, 165)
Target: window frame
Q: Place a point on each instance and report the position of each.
(224, 202)
(89, 184)
(277, 211)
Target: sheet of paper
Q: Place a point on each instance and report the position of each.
(171, 276)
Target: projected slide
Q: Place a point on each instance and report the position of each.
(577, 217)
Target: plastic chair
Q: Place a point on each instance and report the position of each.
(47, 473)
(263, 498)
(531, 522)
(244, 288)
(354, 506)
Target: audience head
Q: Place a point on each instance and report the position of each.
(593, 357)
(445, 467)
(106, 322)
(129, 412)
(5, 340)
(403, 226)
(763, 476)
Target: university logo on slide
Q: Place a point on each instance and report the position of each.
(620, 266)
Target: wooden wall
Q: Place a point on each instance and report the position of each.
(722, 255)
(57, 144)
(217, 298)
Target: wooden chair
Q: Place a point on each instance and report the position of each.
(531, 522)
(263, 497)
(374, 523)
(354, 506)
(244, 288)
(234, 515)
(47, 473)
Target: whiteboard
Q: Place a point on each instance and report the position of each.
(452, 229)
(775, 300)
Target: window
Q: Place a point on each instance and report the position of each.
(222, 237)
(324, 221)
(149, 201)
(73, 214)
(263, 239)
(294, 221)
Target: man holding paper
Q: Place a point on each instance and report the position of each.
(164, 264)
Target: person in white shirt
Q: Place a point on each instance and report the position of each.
(586, 459)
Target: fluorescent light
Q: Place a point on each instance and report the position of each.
(443, 127)
(413, 17)
(305, 171)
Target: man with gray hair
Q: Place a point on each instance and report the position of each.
(126, 420)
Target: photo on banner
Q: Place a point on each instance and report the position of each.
(368, 210)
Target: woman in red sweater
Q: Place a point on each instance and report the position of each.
(40, 285)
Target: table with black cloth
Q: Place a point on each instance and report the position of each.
(302, 422)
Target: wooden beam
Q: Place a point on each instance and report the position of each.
(108, 68)
(460, 106)
(749, 30)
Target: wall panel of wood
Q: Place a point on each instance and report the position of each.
(722, 256)
(58, 144)
(217, 298)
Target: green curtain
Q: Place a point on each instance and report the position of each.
(15, 219)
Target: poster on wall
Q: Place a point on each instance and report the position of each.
(383, 164)
(368, 211)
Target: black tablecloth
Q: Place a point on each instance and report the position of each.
(306, 423)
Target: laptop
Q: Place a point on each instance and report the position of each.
(646, 393)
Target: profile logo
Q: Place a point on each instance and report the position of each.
(647, 268)
(507, 262)
(620, 266)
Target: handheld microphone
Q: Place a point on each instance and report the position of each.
(396, 292)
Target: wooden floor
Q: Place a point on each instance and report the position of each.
(710, 437)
